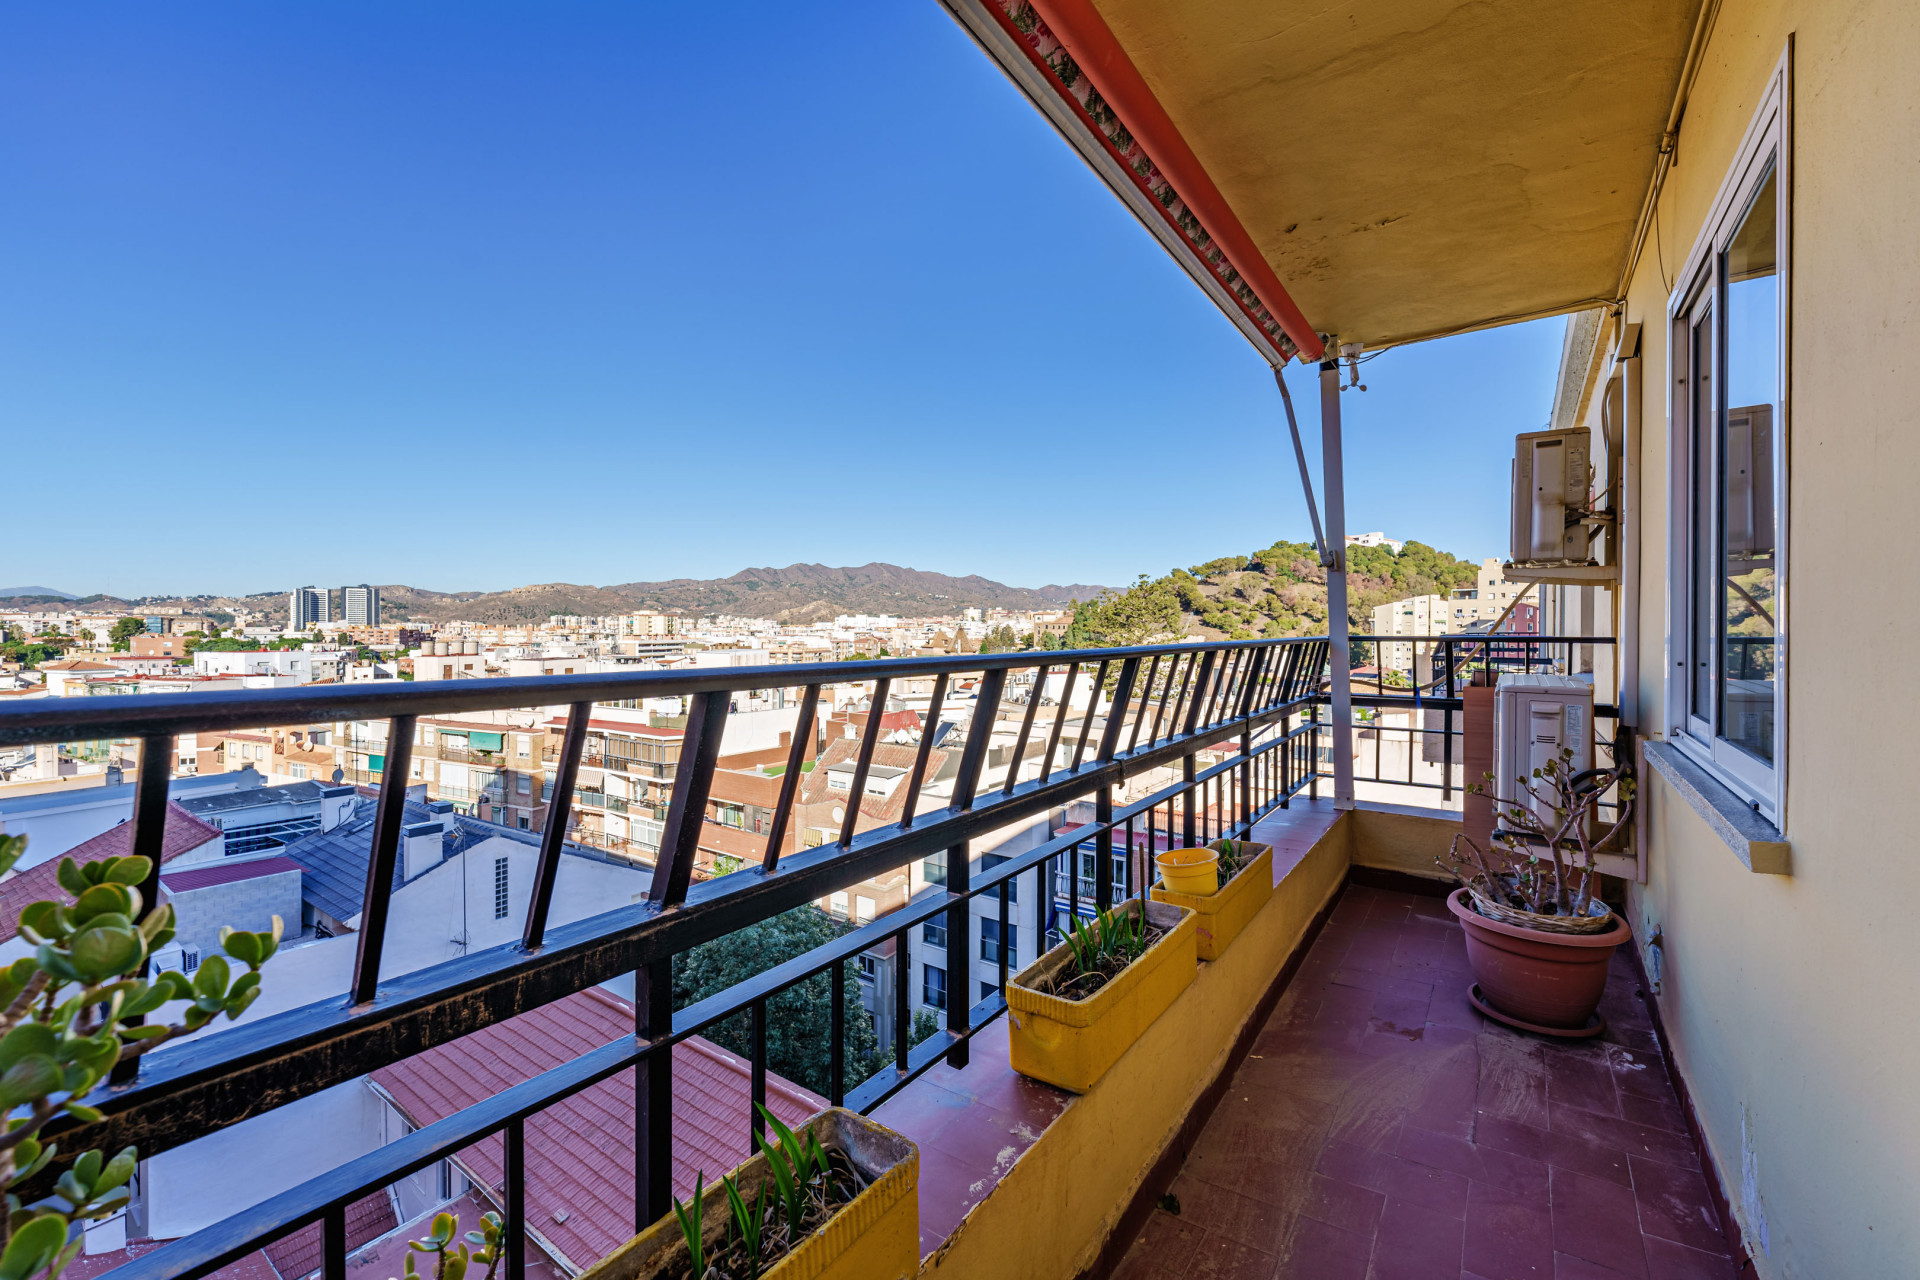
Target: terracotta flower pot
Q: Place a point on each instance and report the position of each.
(1544, 981)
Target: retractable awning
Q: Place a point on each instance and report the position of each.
(1379, 173)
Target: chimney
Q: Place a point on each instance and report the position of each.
(422, 847)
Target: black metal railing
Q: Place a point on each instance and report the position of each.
(1213, 732)
(1404, 719)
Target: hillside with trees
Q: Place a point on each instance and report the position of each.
(1278, 591)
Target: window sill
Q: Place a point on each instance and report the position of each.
(1761, 847)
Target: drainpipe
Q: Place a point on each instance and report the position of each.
(1333, 485)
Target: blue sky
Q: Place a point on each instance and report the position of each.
(469, 296)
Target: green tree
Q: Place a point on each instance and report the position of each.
(1144, 613)
(124, 631)
(797, 1046)
(1000, 640)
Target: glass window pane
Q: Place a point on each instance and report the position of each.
(1747, 482)
(1701, 631)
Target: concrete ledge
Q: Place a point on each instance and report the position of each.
(1066, 1196)
(1760, 846)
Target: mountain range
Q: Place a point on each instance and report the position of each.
(799, 593)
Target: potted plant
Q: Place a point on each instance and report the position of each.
(1073, 1012)
(836, 1199)
(68, 1014)
(1244, 882)
(1538, 936)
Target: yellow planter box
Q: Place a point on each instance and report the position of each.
(1071, 1043)
(875, 1237)
(1223, 914)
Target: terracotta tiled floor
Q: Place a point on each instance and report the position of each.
(1380, 1128)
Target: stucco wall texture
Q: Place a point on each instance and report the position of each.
(1791, 1000)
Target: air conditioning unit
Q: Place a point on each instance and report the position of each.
(1552, 477)
(1535, 718)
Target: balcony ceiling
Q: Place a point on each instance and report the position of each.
(1411, 168)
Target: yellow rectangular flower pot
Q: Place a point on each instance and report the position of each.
(1223, 914)
(1071, 1043)
(874, 1237)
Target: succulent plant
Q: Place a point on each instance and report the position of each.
(452, 1258)
(71, 1012)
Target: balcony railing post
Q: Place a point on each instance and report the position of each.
(653, 1094)
(837, 1029)
(928, 728)
(1186, 801)
(959, 866)
(864, 764)
(680, 843)
(515, 1169)
(555, 836)
(802, 743)
(149, 842)
(1202, 687)
(389, 817)
(1103, 849)
(1026, 729)
(903, 997)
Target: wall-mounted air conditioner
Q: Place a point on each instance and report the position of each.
(1535, 717)
(1552, 476)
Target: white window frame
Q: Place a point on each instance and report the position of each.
(1766, 145)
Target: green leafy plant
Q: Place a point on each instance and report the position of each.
(1113, 935)
(1234, 855)
(748, 1225)
(71, 1012)
(690, 1227)
(1099, 952)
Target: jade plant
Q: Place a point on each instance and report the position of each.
(71, 1012)
(453, 1259)
(1542, 857)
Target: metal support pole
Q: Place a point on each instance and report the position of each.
(1338, 650)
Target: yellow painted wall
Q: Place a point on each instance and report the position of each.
(1793, 1002)
(1050, 1215)
(1401, 838)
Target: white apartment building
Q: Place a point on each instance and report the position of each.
(306, 664)
(1487, 599)
(1376, 539)
(1415, 616)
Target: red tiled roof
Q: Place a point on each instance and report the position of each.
(580, 1150)
(184, 832)
(187, 879)
(88, 1265)
(297, 1254)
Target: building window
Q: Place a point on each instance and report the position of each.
(1727, 575)
(990, 940)
(933, 987)
(934, 933)
(988, 861)
(862, 908)
(869, 969)
(499, 888)
(839, 904)
(934, 867)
